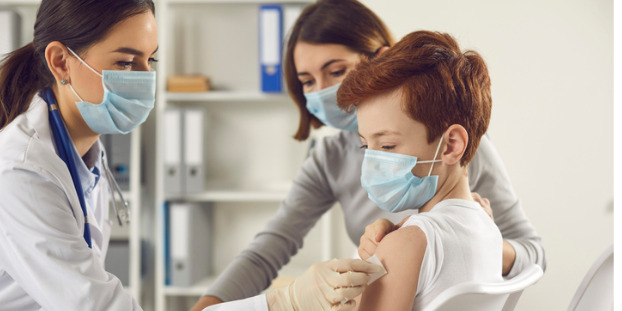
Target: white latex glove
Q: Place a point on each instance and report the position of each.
(328, 285)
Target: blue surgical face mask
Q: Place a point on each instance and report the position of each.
(323, 105)
(390, 184)
(129, 96)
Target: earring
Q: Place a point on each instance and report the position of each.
(63, 81)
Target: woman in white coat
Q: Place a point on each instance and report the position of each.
(86, 73)
(53, 108)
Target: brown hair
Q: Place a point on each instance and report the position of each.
(441, 85)
(77, 24)
(344, 22)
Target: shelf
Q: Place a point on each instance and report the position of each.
(224, 96)
(273, 192)
(119, 233)
(19, 2)
(127, 195)
(196, 290)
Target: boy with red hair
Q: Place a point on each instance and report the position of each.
(422, 108)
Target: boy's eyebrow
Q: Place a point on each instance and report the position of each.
(381, 133)
(384, 133)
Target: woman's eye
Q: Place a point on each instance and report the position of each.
(338, 73)
(125, 65)
(363, 146)
(388, 147)
(307, 83)
(152, 60)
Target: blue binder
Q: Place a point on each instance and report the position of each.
(270, 51)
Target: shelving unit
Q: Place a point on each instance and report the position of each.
(19, 3)
(224, 97)
(250, 158)
(27, 9)
(134, 198)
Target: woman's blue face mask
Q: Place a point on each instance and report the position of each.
(129, 96)
(323, 105)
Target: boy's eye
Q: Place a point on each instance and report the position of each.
(388, 147)
(363, 146)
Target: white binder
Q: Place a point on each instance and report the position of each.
(190, 242)
(172, 152)
(9, 32)
(193, 150)
(291, 12)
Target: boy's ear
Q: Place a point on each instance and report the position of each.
(456, 140)
(382, 50)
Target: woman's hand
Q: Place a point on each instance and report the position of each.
(484, 203)
(373, 235)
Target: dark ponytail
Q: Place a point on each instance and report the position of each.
(21, 74)
(76, 23)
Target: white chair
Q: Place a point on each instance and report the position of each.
(595, 293)
(471, 296)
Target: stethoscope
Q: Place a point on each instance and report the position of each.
(64, 145)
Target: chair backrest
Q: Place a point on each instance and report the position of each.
(472, 296)
(595, 293)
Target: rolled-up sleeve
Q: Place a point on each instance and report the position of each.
(257, 303)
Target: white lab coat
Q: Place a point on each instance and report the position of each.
(257, 303)
(45, 263)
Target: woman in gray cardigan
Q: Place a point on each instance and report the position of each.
(329, 38)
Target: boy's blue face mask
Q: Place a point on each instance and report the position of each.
(390, 184)
(323, 105)
(129, 96)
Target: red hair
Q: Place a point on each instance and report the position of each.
(440, 85)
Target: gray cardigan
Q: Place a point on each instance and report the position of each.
(332, 173)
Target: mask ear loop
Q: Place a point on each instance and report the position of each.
(82, 61)
(435, 154)
(85, 64)
(74, 92)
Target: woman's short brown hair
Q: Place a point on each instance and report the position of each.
(441, 85)
(344, 22)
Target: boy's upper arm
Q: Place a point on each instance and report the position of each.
(401, 252)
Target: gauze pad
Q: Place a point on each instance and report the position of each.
(373, 277)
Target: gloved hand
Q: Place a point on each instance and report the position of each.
(484, 203)
(328, 285)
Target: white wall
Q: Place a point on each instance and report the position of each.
(551, 65)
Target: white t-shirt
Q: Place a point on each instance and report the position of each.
(464, 244)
